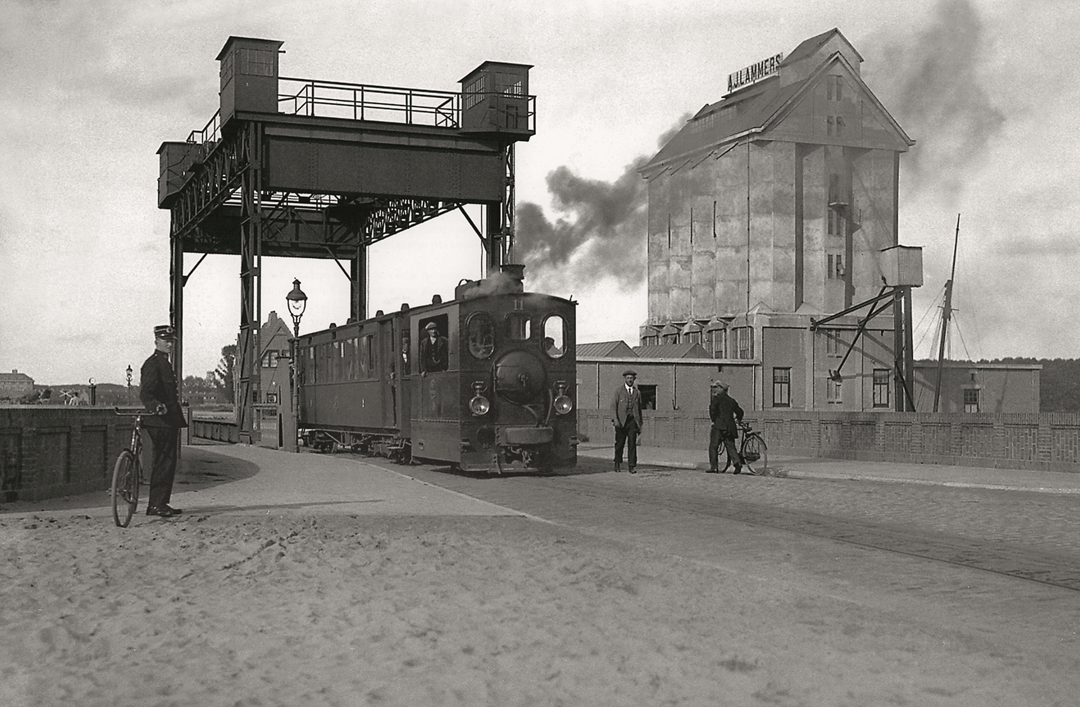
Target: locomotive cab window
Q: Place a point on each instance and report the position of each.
(481, 335)
(554, 343)
(518, 326)
(434, 346)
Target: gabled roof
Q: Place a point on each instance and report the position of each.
(605, 349)
(685, 350)
(807, 47)
(758, 108)
(735, 116)
(273, 326)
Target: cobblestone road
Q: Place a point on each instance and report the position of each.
(1028, 535)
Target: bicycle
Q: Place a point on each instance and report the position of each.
(752, 449)
(127, 474)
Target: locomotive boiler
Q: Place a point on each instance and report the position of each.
(485, 382)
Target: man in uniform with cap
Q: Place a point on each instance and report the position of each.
(626, 417)
(433, 351)
(161, 396)
(725, 414)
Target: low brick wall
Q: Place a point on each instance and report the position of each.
(49, 451)
(1046, 441)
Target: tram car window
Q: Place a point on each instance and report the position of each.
(554, 343)
(518, 326)
(480, 331)
(434, 346)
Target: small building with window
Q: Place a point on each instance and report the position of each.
(677, 377)
(275, 340)
(15, 385)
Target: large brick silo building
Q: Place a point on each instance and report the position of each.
(770, 209)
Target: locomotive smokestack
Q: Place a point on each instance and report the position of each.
(509, 280)
(516, 272)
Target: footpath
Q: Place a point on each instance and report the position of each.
(240, 479)
(892, 472)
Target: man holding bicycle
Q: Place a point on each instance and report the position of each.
(725, 414)
(161, 396)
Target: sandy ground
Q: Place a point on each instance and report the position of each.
(300, 607)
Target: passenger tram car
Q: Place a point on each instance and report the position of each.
(484, 383)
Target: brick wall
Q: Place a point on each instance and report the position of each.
(1043, 441)
(51, 451)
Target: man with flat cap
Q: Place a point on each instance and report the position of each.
(433, 351)
(626, 417)
(161, 397)
(725, 414)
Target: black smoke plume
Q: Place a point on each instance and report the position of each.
(600, 233)
(930, 82)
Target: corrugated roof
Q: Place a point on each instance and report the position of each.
(686, 350)
(604, 349)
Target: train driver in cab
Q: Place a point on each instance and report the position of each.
(434, 351)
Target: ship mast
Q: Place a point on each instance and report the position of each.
(945, 316)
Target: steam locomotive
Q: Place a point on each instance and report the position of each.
(484, 383)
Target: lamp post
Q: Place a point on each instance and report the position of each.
(129, 384)
(297, 301)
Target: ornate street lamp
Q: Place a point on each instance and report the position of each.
(129, 384)
(297, 301)
(297, 304)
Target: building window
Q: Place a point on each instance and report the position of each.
(971, 400)
(834, 88)
(716, 341)
(671, 338)
(648, 397)
(744, 342)
(881, 387)
(839, 126)
(832, 342)
(270, 359)
(836, 222)
(781, 387)
(836, 267)
(256, 62)
(650, 340)
(834, 390)
(829, 125)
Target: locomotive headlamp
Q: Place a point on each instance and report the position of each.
(479, 405)
(563, 404)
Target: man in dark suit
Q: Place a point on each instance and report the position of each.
(725, 414)
(626, 417)
(161, 397)
(434, 355)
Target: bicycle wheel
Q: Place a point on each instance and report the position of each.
(755, 454)
(125, 488)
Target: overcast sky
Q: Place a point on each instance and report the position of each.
(91, 88)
